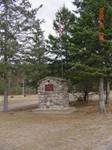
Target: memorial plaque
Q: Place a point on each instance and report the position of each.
(49, 87)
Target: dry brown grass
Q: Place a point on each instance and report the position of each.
(85, 129)
(19, 98)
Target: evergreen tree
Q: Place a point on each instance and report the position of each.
(93, 56)
(36, 57)
(9, 44)
(16, 18)
(58, 45)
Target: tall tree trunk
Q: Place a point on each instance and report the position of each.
(86, 96)
(6, 83)
(107, 100)
(23, 88)
(101, 105)
(6, 96)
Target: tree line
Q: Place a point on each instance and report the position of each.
(78, 54)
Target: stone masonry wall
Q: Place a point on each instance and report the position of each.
(53, 93)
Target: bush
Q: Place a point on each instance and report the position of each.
(1, 88)
(15, 90)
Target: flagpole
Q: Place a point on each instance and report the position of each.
(61, 60)
(60, 34)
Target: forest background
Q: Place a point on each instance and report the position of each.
(81, 50)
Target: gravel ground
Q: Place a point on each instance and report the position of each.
(84, 129)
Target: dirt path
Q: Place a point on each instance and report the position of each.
(19, 105)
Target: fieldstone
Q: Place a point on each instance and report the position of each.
(53, 93)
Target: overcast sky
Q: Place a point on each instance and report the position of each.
(48, 11)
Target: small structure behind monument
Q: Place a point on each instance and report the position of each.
(53, 93)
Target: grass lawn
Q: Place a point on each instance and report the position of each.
(19, 99)
(85, 129)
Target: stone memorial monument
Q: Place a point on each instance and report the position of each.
(53, 93)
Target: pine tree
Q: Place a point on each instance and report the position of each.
(58, 45)
(9, 45)
(16, 18)
(93, 56)
(36, 57)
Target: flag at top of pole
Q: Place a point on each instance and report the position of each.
(60, 28)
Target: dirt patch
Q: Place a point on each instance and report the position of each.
(85, 129)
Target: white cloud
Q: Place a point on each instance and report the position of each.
(48, 11)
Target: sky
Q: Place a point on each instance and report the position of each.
(48, 11)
